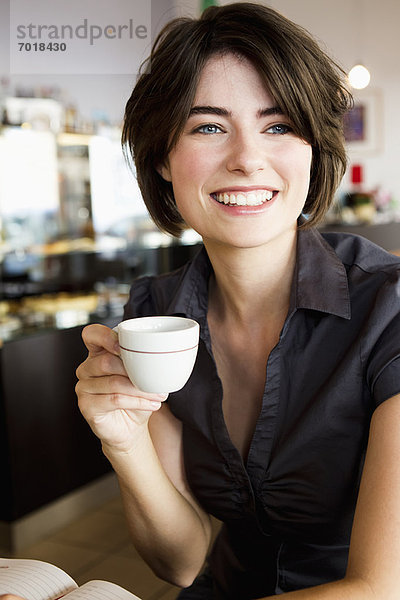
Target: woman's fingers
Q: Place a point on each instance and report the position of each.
(104, 394)
(98, 338)
(92, 406)
(100, 365)
(111, 384)
(115, 409)
(114, 385)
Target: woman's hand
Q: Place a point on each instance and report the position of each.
(116, 411)
(10, 597)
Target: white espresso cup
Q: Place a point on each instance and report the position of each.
(158, 352)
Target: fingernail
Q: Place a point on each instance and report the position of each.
(117, 348)
(162, 397)
(155, 404)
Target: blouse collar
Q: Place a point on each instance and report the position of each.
(320, 281)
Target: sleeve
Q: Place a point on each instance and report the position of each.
(383, 369)
(140, 302)
(388, 382)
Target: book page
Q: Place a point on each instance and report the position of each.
(101, 590)
(33, 579)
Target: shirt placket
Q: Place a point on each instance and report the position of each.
(264, 434)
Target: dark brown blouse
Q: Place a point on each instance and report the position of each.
(288, 511)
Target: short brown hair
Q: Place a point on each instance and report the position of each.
(306, 84)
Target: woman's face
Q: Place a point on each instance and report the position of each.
(239, 174)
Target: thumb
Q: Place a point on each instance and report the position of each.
(99, 338)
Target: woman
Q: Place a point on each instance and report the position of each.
(236, 131)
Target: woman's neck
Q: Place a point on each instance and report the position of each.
(252, 284)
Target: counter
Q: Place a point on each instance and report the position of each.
(386, 235)
(47, 450)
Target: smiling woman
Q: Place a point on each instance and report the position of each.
(288, 430)
(245, 162)
(290, 65)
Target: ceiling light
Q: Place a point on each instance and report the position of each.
(359, 77)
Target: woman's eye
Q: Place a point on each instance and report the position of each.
(279, 129)
(208, 129)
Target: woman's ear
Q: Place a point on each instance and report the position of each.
(164, 171)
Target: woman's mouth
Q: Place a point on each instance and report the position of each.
(242, 198)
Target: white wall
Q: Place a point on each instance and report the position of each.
(349, 29)
(90, 93)
(353, 30)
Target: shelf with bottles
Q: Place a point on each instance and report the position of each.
(45, 110)
(359, 205)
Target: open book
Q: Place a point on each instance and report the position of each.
(37, 580)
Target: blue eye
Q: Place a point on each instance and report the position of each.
(208, 129)
(279, 129)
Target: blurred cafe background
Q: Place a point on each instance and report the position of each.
(74, 233)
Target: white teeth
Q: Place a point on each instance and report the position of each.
(252, 199)
(244, 199)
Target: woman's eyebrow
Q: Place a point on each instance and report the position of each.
(267, 112)
(209, 110)
(224, 112)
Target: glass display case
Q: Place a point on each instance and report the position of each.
(74, 229)
(74, 234)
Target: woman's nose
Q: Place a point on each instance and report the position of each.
(246, 155)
